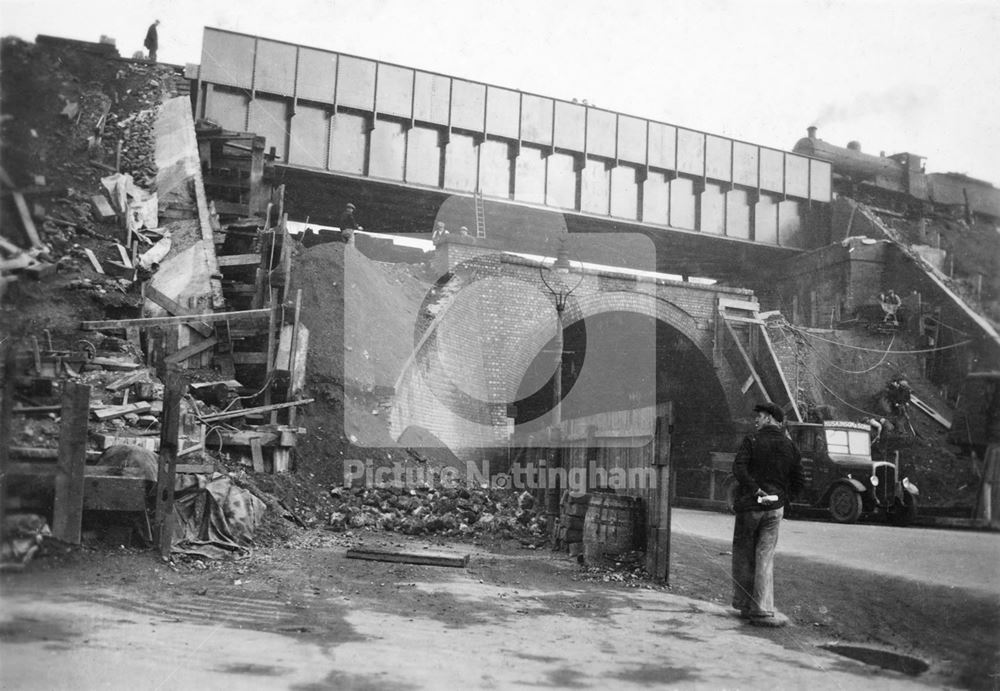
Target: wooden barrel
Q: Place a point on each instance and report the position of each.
(609, 528)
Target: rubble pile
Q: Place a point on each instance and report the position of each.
(627, 569)
(461, 511)
(70, 119)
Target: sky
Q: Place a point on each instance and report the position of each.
(918, 76)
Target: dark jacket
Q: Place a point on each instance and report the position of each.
(152, 39)
(769, 461)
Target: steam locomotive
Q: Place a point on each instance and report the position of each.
(900, 182)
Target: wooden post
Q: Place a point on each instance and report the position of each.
(272, 323)
(658, 541)
(167, 467)
(291, 355)
(6, 406)
(67, 513)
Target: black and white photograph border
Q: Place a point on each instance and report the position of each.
(460, 344)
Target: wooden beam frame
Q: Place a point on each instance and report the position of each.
(146, 322)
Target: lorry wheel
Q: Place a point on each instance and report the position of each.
(845, 504)
(904, 512)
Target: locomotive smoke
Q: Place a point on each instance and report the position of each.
(901, 100)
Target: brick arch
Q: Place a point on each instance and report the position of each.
(480, 328)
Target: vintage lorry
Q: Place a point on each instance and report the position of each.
(842, 477)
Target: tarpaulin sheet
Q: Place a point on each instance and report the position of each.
(215, 519)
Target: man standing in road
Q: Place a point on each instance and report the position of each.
(769, 471)
(152, 41)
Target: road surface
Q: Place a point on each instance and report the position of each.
(958, 558)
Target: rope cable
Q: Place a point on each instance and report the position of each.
(875, 350)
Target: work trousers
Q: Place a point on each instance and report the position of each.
(755, 537)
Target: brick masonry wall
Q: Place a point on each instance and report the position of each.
(484, 324)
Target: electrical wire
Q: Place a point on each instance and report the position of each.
(875, 350)
(863, 371)
(834, 394)
(947, 326)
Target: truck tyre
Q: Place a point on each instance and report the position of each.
(845, 504)
(904, 511)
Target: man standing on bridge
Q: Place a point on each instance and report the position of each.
(152, 42)
(769, 470)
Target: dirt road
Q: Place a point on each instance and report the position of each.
(308, 618)
(929, 608)
(964, 559)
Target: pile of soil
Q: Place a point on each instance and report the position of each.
(360, 322)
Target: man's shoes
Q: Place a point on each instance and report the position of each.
(767, 619)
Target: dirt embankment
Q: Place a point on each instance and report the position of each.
(360, 315)
(843, 373)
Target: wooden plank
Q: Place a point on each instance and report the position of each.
(196, 468)
(190, 449)
(249, 358)
(786, 388)
(21, 261)
(745, 305)
(258, 455)
(110, 413)
(146, 322)
(101, 208)
(175, 309)
(746, 359)
(115, 364)
(93, 260)
(930, 412)
(9, 247)
(424, 558)
(127, 380)
(281, 460)
(188, 351)
(123, 253)
(245, 437)
(253, 411)
(27, 220)
(37, 409)
(48, 469)
(39, 270)
(658, 540)
(167, 466)
(9, 363)
(239, 260)
(41, 453)
(272, 320)
(68, 510)
(292, 390)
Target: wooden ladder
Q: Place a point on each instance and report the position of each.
(480, 215)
